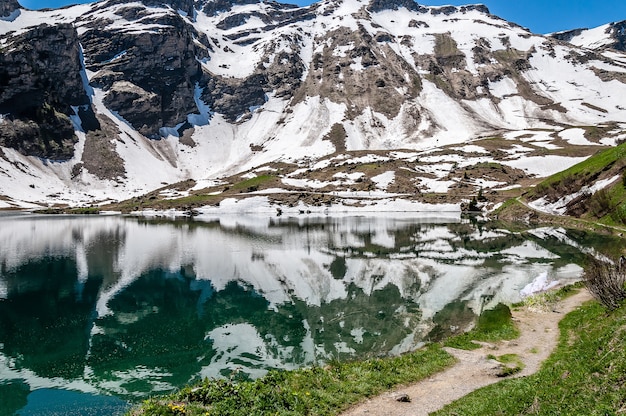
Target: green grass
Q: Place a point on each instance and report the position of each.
(512, 364)
(606, 207)
(586, 375)
(616, 214)
(547, 300)
(493, 325)
(252, 184)
(511, 202)
(594, 164)
(309, 391)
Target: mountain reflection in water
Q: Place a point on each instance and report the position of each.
(130, 307)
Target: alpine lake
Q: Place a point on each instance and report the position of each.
(100, 312)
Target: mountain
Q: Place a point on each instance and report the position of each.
(609, 36)
(117, 99)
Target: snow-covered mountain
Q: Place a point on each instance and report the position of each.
(609, 36)
(115, 99)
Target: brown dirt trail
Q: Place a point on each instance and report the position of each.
(539, 333)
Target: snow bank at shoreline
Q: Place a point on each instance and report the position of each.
(262, 205)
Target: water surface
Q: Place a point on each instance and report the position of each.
(96, 312)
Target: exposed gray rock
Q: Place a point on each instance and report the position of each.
(186, 6)
(449, 10)
(415, 23)
(99, 156)
(234, 97)
(161, 66)
(41, 66)
(213, 7)
(7, 7)
(39, 82)
(568, 35)
(234, 20)
(618, 32)
(380, 5)
(139, 107)
(284, 74)
(44, 133)
(366, 76)
(478, 7)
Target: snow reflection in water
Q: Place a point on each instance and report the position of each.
(128, 307)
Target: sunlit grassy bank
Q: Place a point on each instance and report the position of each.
(586, 375)
(311, 391)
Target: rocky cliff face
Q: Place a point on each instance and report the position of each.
(8, 7)
(149, 75)
(618, 32)
(40, 80)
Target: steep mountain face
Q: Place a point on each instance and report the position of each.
(40, 80)
(610, 36)
(127, 96)
(148, 75)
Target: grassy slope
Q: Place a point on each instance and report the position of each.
(586, 375)
(605, 211)
(599, 162)
(607, 207)
(309, 391)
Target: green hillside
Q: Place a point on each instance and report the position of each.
(607, 205)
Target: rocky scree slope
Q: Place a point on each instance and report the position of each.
(114, 99)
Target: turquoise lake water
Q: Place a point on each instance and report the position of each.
(99, 312)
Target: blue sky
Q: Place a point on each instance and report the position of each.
(541, 16)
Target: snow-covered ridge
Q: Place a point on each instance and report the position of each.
(610, 35)
(263, 83)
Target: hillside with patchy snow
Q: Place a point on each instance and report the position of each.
(351, 99)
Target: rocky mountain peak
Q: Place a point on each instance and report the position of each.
(617, 31)
(380, 5)
(176, 90)
(214, 7)
(610, 36)
(7, 7)
(186, 6)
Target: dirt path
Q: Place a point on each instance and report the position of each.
(539, 336)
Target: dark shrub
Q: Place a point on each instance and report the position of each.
(607, 282)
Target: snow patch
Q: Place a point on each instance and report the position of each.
(383, 180)
(540, 284)
(543, 166)
(560, 207)
(576, 137)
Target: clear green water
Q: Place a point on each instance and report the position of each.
(99, 312)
